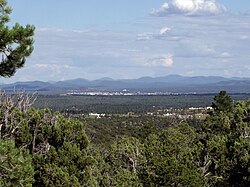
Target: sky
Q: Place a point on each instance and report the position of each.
(131, 39)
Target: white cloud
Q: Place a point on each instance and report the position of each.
(165, 33)
(204, 47)
(53, 68)
(164, 30)
(162, 61)
(190, 8)
(225, 55)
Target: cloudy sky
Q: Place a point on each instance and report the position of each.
(134, 38)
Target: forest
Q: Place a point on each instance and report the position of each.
(45, 148)
(125, 104)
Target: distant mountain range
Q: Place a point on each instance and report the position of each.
(170, 83)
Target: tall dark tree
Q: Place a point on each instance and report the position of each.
(16, 43)
(222, 102)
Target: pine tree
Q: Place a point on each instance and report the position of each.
(16, 43)
(15, 165)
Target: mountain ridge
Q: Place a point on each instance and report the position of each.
(169, 83)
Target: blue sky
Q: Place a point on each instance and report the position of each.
(130, 39)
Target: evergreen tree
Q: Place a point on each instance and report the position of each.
(123, 163)
(15, 166)
(16, 43)
(225, 143)
(169, 158)
(222, 102)
(57, 146)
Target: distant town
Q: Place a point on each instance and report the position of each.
(124, 92)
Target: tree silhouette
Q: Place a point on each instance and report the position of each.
(16, 43)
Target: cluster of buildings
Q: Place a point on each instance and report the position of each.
(115, 93)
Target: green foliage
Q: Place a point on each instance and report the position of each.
(225, 139)
(104, 131)
(121, 104)
(58, 146)
(16, 168)
(124, 178)
(68, 166)
(123, 163)
(57, 176)
(169, 159)
(47, 149)
(223, 102)
(16, 43)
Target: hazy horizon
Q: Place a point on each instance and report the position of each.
(133, 39)
(100, 78)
